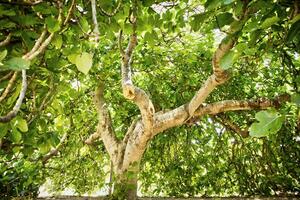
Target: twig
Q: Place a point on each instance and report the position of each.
(9, 86)
(6, 76)
(17, 106)
(6, 40)
(111, 14)
(54, 151)
(69, 12)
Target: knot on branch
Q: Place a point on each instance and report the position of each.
(129, 91)
(220, 76)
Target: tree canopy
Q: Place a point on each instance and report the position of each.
(188, 97)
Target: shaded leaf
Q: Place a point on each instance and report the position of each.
(3, 129)
(224, 19)
(269, 22)
(293, 31)
(296, 99)
(52, 24)
(16, 64)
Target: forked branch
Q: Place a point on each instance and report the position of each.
(219, 75)
(130, 91)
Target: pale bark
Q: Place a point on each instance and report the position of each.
(176, 117)
(104, 128)
(9, 86)
(10, 115)
(95, 21)
(54, 151)
(136, 140)
(6, 40)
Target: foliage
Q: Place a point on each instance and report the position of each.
(176, 43)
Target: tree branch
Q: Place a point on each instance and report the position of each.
(6, 40)
(6, 76)
(17, 106)
(219, 75)
(111, 14)
(23, 3)
(54, 151)
(130, 91)
(233, 105)
(104, 128)
(9, 86)
(177, 116)
(69, 12)
(94, 14)
(228, 124)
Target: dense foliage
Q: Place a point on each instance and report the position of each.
(176, 43)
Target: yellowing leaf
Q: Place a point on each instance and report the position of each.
(84, 62)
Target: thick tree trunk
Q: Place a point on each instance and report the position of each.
(125, 186)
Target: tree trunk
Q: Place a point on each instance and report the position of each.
(125, 186)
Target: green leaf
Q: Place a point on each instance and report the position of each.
(15, 136)
(197, 21)
(84, 24)
(227, 60)
(3, 54)
(212, 4)
(44, 147)
(3, 129)
(16, 64)
(224, 19)
(296, 99)
(21, 124)
(84, 62)
(72, 58)
(293, 31)
(52, 24)
(57, 41)
(270, 122)
(151, 37)
(269, 22)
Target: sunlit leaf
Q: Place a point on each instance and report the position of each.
(227, 60)
(84, 62)
(269, 122)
